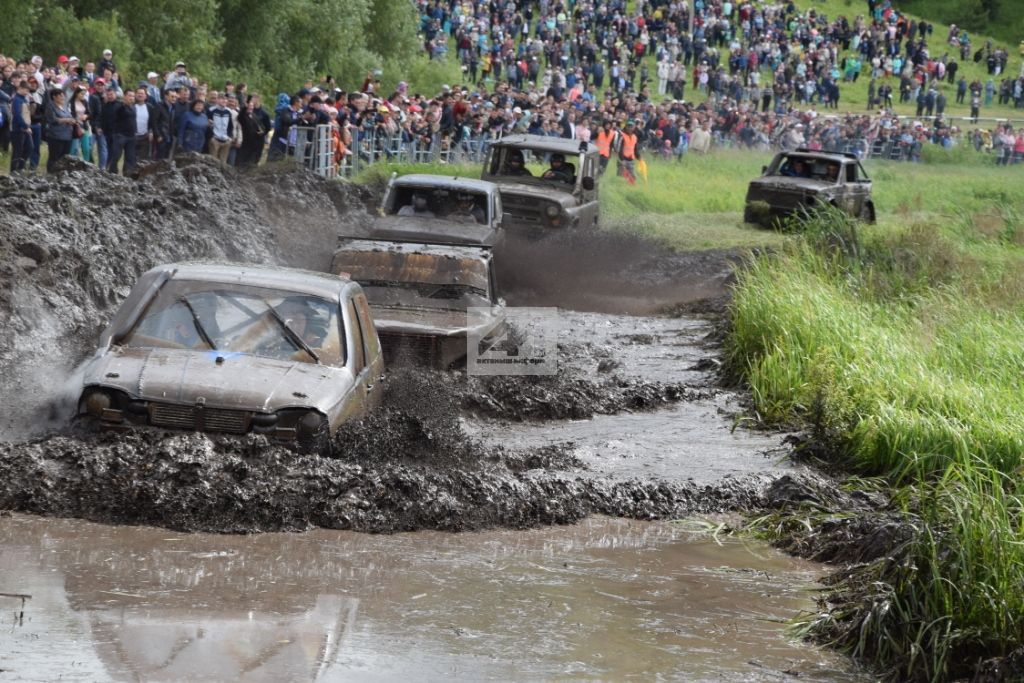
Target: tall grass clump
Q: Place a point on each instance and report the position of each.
(902, 353)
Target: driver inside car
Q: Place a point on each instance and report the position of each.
(419, 206)
(515, 164)
(559, 169)
(466, 209)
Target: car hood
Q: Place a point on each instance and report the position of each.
(431, 231)
(533, 192)
(239, 381)
(434, 323)
(791, 184)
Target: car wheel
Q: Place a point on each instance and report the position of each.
(748, 215)
(313, 434)
(867, 212)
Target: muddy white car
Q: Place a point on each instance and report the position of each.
(547, 197)
(237, 349)
(439, 210)
(420, 295)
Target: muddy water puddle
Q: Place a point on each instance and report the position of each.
(702, 439)
(606, 599)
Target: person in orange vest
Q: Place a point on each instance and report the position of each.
(605, 141)
(629, 152)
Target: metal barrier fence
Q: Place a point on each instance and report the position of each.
(314, 149)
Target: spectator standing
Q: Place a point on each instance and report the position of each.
(21, 132)
(80, 109)
(107, 114)
(107, 63)
(60, 127)
(255, 124)
(124, 137)
(37, 117)
(221, 128)
(153, 94)
(286, 117)
(163, 124)
(95, 113)
(144, 120)
(236, 135)
(192, 128)
(179, 78)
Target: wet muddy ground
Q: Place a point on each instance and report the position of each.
(605, 599)
(635, 425)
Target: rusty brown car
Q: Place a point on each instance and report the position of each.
(230, 348)
(428, 300)
(804, 179)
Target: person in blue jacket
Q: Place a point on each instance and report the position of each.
(192, 128)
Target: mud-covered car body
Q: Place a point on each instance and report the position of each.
(420, 295)
(229, 348)
(805, 179)
(426, 208)
(533, 205)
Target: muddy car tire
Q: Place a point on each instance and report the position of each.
(313, 437)
(867, 213)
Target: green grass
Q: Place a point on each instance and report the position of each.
(905, 357)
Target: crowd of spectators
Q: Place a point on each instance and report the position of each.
(686, 75)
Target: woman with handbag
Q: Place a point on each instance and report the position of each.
(81, 143)
(60, 128)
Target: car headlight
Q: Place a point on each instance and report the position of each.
(553, 210)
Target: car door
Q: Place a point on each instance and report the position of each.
(845, 196)
(373, 371)
(590, 206)
(355, 401)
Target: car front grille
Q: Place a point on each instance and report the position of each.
(202, 419)
(408, 349)
(522, 209)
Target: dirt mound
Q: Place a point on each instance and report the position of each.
(72, 244)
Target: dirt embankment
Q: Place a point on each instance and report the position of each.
(71, 245)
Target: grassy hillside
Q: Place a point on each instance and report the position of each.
(1003, 20)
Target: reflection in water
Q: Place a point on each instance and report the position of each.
(606, 599)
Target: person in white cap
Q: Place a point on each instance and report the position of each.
(153, 94)
(108, 62)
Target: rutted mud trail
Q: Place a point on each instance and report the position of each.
(72, 245)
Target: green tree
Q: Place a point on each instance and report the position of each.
(19, 20)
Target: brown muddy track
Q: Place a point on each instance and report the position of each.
(72, 244)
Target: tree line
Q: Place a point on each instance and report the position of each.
(270, 45)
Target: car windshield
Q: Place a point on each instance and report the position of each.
(795, 166)
(451, 205)
(534, 166)
(231, 318)
(394, 279)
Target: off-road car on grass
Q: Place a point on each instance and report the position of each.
(804, 179)
(228, 348)
(420, 293)
(559, 192)
(439, 210)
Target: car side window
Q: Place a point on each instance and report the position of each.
(357, 348)
(851, 173)
(371, 344)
